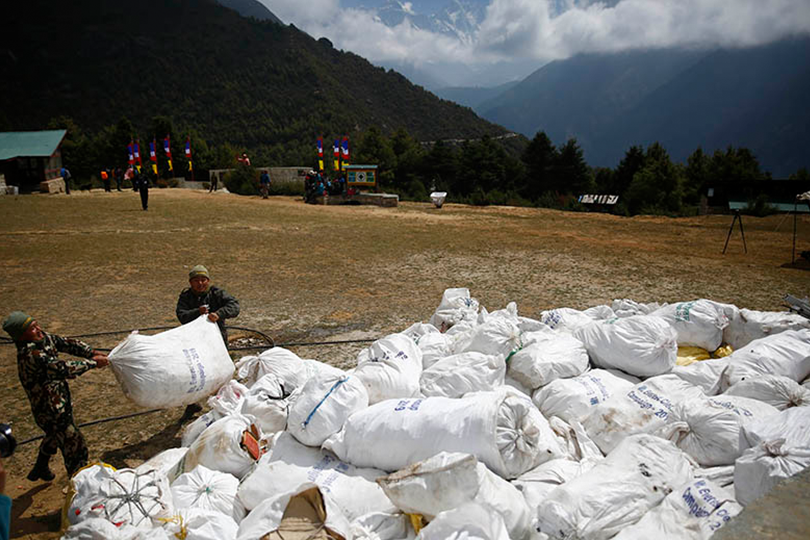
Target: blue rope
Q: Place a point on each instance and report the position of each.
(341, 381)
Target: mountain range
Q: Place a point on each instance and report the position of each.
(752, 97)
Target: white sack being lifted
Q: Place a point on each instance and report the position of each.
(775, 390)
(572, 399)
(460, 374)
(172, 368)
(642, 345)
(449, 480)
(708, 429)
(323, 405)
(697, 324)
(786, 354)
(390, 368)
(645, 408)
(692, 512)
(547, 358)
(456, 306)
(290, 463)
(503, 429)
(746, 325)
(617, 492)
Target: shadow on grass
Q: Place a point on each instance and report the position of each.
(21, 527)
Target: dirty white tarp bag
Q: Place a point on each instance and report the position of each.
(747, 325)
(503, 429)
(792, 424)
(645, 408)
(284, 364)
(390, 368)
(642, 345)
(101, 529)
(323, 405)
(722, 476)
(177, 367)
(616, 492)
(219, 447)
(571, 399)
(382, 526)
(434, 347)
(547, 358)
(201, 524)
(706, 375)
(417, 330)
(536, 484)
(120, 496)
(194, 429)
(708, 429)
(786, 354)
(456, 306)
(227, 400)
(775, 390)
(496, 336)
(166, 463)
(627, 308)
(698, 323)
(266, 402)
(459, 374)
(290, 463)
(449, 480)
(691, 512)
(565, 319)
(468, 522)
(205, 489)
(267, 516)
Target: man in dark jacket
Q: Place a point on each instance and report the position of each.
(202, 298)
(44, 377)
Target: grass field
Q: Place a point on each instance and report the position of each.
(94, 262)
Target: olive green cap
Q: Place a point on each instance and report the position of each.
(16, 324)
(198, 270)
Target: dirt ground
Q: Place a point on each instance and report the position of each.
(95, 262)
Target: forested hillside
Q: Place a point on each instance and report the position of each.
(232, 79)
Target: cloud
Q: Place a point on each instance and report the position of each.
(544, 30)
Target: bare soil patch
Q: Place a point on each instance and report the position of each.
(93, 262)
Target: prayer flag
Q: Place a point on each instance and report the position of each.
(167, 149)
(345, 151)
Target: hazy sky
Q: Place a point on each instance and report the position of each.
(516, 30)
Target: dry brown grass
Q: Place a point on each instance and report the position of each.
(94, 262)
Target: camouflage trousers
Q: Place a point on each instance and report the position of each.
(62, 434)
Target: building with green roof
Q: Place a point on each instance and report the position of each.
(28, 158)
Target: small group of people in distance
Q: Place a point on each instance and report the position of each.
(44, 375)
(316, 185)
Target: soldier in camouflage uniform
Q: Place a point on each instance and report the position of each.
(44, 377)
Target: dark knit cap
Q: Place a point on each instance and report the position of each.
(16, 324)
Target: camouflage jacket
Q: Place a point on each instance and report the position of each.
(218, 300)
(44, 376)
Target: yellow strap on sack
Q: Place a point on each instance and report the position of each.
(178, 519)
(417, 522)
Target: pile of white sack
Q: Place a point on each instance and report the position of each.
(627, 421)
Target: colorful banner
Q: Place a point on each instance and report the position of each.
(188, 153)
(336, 148)
(137, 151)
(345, 152)
(167, 149)
(320, 153)
(153, 156)
(131, 154)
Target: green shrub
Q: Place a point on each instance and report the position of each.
(242, 180)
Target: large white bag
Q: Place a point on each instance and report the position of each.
(706, 375)
(692, 512)
(627, 308)
(201, 524)
(536, 484)
(434, 347)
(120, 496)
(177, 367)
(571, 399)
(645, 408)
(456, 306)
(450, 480)
(205, 489)
(166, 463)
(495, 336)
(616, 492)
(323, 405)
(284, 364)
(792, 424)
(698, 323)
(786, 354)
(290, 463)
(565, 319)
(459, 374)
(390, 368)
(383, 526)
(502, 429)
(547, 358)
(219, 447)
(266, 401)
(101, 529)
(709, 429)
(775, 390)
(642, 345)
(747, 325)
(468, 522)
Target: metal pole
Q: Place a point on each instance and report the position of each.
(742, 232)
(793, 253)
(730, 229)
